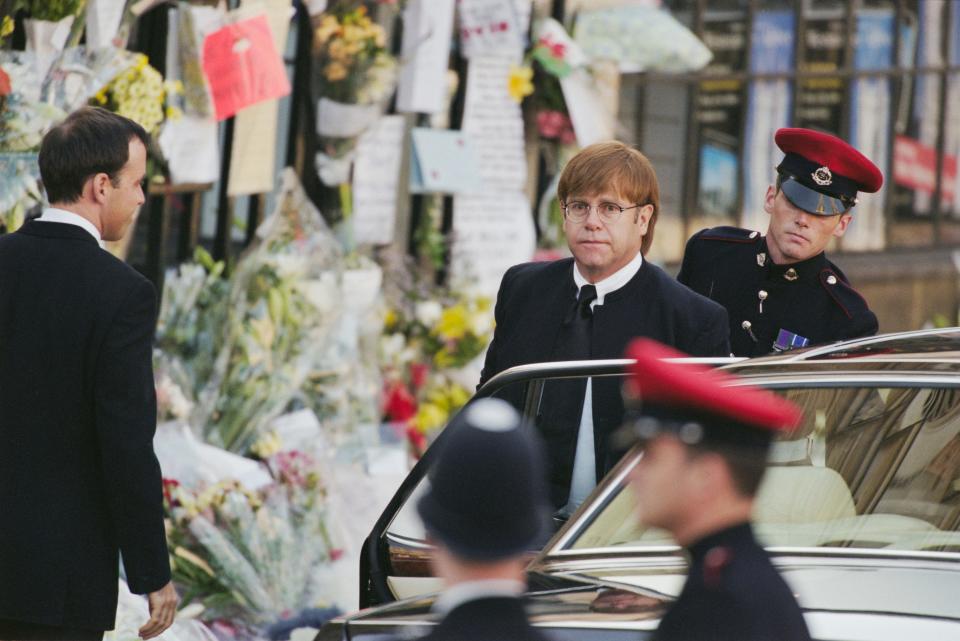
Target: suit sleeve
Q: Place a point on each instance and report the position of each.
(491, 363)
(714, 336)
(126, 414)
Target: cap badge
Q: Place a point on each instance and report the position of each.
(822, 176)
(791, 274)
(761, 259)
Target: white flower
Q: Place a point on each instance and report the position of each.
(482, 324)
(392, 345)
(428, 312)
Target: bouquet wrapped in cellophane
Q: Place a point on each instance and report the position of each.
(190, 325)
(283, 304)
(253, 557)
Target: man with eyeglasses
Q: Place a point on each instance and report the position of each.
(590, 306)
(780, 290)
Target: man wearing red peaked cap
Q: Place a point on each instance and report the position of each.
(780, 290)
(705, 449)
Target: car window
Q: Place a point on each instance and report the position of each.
(870, 467)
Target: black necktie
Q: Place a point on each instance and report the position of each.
(579, 325)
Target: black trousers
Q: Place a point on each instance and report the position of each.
(23, 631)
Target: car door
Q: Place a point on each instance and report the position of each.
(395, 560)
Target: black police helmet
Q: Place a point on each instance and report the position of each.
(487, 498)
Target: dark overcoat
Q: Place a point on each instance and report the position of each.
(79, 481)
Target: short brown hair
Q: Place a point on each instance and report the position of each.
(90, 141)
(617, 166)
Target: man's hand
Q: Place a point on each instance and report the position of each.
(163, 607)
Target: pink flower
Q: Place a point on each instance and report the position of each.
(550, 123)
(418, 374)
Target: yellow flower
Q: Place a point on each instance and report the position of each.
(338, 50)
(174, 113)
(429, 418)
(453, 324)
(335, 71)
(520, 82)
(457, 397)
(6, 28)
(390, 318)
(267, 445)
(328, 27)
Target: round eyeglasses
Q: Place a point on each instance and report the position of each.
(578, 211)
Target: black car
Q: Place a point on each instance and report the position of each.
(860, 509)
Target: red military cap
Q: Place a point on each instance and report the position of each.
(822, 174)
(698, 402)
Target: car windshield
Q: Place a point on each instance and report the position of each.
(870, 467)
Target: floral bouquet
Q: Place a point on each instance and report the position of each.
(355, 77)
(252, 557)
(282, 309)
(428, 339)
(140, 93)
(192, 317)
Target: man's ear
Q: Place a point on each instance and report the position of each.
(842, 225)
(769, 199)
(643, 217)
(100, 185)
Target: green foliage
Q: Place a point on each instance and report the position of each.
(53, 10)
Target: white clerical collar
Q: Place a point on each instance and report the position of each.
(611, 283)
(460, 593)
(54, 215)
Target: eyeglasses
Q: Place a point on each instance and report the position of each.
(578, 211)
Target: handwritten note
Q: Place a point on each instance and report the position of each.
(492, 26)
(243, 67)
(426, 45)
(494, 123)
(376, 176)
(492, 232)
(253, 161)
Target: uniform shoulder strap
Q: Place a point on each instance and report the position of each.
(730, 235)
(839, 289)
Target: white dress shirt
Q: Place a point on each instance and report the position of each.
(584, 476)
(460, 593)
(54, 215)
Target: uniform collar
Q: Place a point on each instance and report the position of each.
(731, 536)
(458, 594)
(805, 270)
(54, 215)
(611, 283)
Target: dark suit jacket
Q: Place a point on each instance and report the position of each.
(486, 619)
(78, 477)
(534, 299)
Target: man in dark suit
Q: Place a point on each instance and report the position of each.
(486, 507)
(79, 482)
(705, 451)
(591, 305)
(780, 290)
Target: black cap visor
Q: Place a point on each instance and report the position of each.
(812, 201)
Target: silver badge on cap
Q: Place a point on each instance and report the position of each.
(822, 176)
